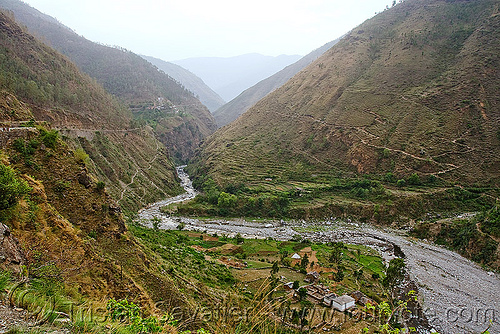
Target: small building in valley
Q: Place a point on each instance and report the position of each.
(317, 292)
(343, 303)
(312, 277)
(327, 299)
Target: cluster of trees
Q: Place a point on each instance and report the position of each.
(359, 188)
(336, 257)
(240, 201)
(473, 238)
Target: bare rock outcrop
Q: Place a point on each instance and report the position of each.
(11, 254)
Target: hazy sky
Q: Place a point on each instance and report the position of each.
(178, 29)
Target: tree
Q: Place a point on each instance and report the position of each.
(304, 262)
(388, 315)
(100, 186)
(156, 222)
(339, 275)
(414, 179)
(295, 285)
(395, 273)
(49, 138)
(276, 268)
(302, 293)
(226, 200)
(11, 188)
(336, 254)
(358, 274)
(239, 239)
(283, 254)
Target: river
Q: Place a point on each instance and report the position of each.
(457, 295)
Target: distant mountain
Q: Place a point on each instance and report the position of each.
(231, 76)
(237, 106)
(179, 119)
(189, 80)
(414, 90)
(40, 84)
(66, 219)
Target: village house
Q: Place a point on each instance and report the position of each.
(362, 299)
(343, 303)
(327, 299)
(312, 277)
(288, 286)
(295, 259)
(317, 292)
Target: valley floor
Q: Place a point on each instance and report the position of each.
(457, 294)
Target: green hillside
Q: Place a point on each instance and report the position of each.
(39, 85)
(178, 118)
(408, 98)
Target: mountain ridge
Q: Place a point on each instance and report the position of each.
(71, 230)
(229, 76)
(38, 85)
(130, 78)
(237, 106)
(192, 82)
(397, 95)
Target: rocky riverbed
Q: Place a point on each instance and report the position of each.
(457, 295)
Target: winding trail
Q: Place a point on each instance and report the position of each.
(457, 295)
(444, 167)
(140, 169)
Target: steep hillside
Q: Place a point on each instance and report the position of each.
(189, 80)
(232, 75)
(72, 233)
(237, 106)
(178, 118)
(413, 90)
(37, 84)
(75, 246)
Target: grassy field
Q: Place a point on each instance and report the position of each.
(257, 256)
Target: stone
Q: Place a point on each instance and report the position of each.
(11, 254)
(84, 179)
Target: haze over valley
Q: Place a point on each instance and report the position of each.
(279, 166)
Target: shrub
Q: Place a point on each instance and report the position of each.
(61, 186)
(414, 179)
(401, 183)
(81, 157)
(100, 186)
(239, 239)
(11, 188)
(389, 177)
(226, 200)
(5, 277)
(491, 222)
(49, 138)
